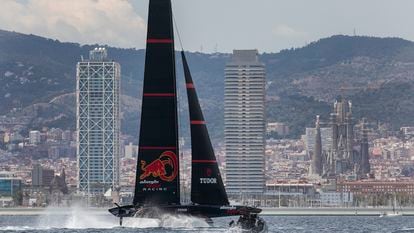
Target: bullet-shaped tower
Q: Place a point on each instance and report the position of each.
(365, 167)
(317, 154)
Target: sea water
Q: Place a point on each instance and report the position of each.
(79, 220)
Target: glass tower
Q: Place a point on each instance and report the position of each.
(98, 123)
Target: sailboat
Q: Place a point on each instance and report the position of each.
(394, 212)
(157, 186)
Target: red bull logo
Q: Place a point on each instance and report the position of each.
(157, 168)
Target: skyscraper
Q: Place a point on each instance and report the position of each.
(244, 119)
(98, 124)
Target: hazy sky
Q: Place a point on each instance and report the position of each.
(268, 25)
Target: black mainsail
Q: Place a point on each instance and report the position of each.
(157, 179)
(206, 184)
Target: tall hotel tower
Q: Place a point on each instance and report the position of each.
(244, 120)
(98, 124)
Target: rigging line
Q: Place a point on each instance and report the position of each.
(184, 195)
(178, 92)
(178, 32)
(180, 129)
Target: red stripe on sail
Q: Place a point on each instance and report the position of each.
(189, 86)
(198, 122)
(159, 94)
(159, 41)
(157, 147)
(204, 161)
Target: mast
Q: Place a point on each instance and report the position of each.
(157, 177)
(206, 183)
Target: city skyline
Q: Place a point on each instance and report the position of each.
(321, 130)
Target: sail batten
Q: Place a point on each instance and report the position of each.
(206, 183)
(157, 177)
(204, 161)
(159, 41)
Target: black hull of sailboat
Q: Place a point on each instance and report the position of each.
(201, 211)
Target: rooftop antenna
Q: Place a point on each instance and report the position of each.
(81, 57)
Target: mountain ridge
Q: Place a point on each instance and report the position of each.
(301, 82)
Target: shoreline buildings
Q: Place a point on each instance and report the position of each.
(98, 123)
(244, 120)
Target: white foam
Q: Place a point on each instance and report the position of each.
(141, 223)
(182, 221)
(16, 228)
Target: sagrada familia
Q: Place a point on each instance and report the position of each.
(345, 155)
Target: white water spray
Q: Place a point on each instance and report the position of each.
(78, 217)
(182, 221)
(75, 217)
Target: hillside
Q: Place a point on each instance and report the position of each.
(34, 70)
(37, 79)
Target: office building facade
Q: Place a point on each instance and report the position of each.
(34, 137)
(42, 176)
(10, 185)
(245, 123)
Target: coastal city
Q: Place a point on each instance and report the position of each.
(342, 161)
(206, 116)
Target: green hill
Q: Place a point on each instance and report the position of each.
(375, 73)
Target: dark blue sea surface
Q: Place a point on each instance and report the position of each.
(75, 222)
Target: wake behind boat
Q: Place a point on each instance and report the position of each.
(157, 186)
